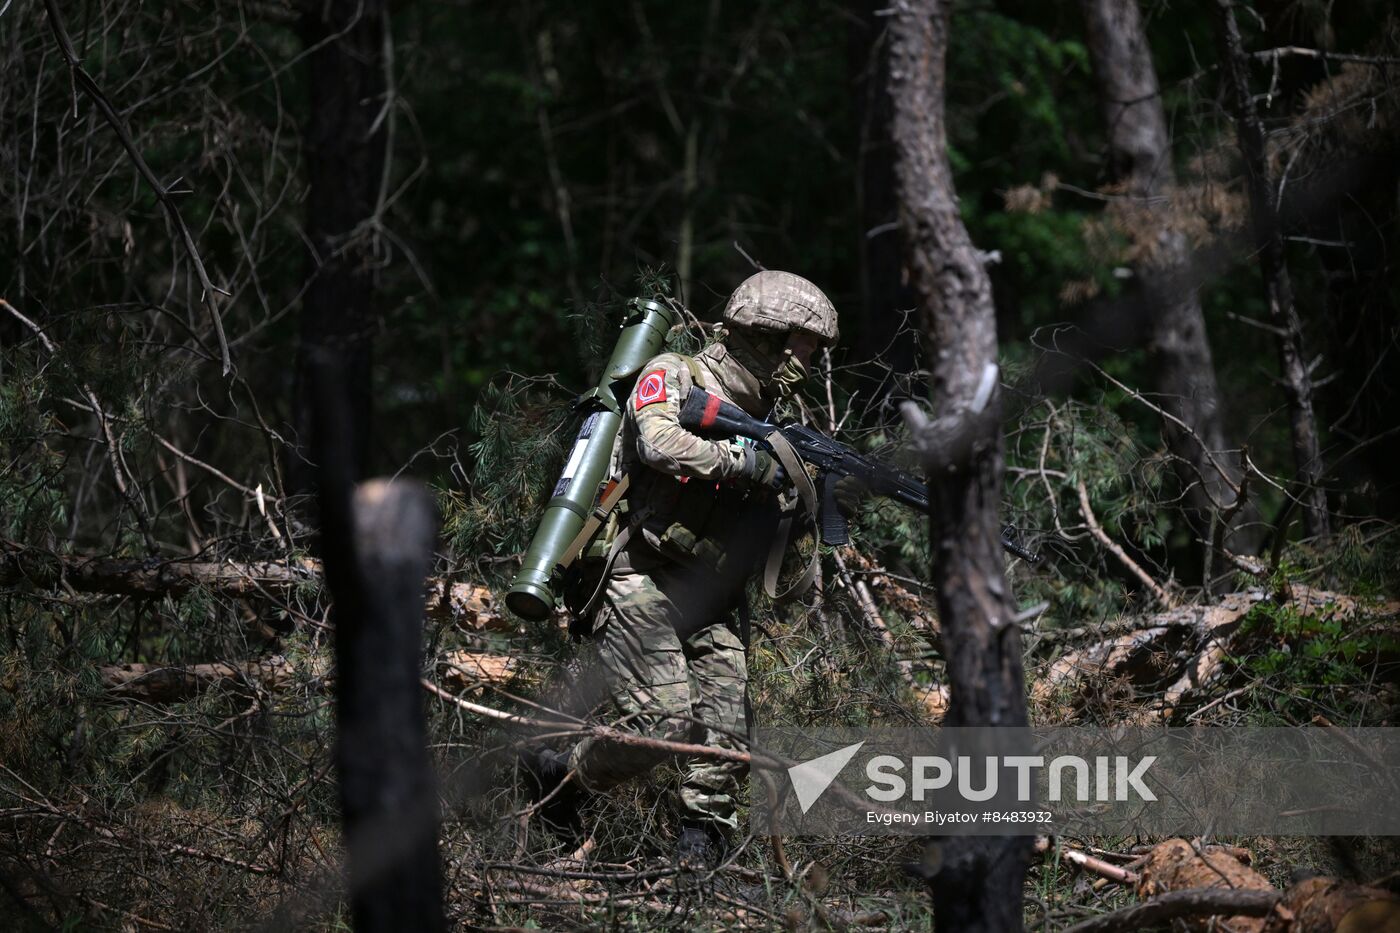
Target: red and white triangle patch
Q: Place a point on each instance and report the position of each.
(651, 388)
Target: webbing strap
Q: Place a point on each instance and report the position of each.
(696, 376)
(611, 497)
(807, 492)
(620, 542)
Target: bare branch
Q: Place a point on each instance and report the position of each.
(1193, 902)
(1116, 550)
(163, 194)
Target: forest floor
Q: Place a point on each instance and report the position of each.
(182, 795)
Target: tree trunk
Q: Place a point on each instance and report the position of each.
(376, 543)
(387, 788)
(1278, 291)
(345, 155)
(690, 187)
(884, 340)
(978, 882)
(1362, 327)
(1140, 158)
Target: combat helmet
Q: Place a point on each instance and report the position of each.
(780, 302)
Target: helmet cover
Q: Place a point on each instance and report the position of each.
(780, 302)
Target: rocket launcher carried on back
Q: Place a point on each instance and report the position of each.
(532, 592)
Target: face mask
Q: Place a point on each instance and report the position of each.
(789, 376)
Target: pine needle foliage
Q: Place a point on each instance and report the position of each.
(521, 429)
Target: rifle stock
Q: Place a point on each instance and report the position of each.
(709, 414)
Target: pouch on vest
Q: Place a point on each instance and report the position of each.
(681, 543)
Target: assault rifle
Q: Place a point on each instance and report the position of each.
(707, 414)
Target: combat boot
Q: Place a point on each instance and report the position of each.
(544, 770)
(700, 848)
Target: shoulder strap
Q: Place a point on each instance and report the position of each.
(612, 495)
(619, 543)
(696, 376)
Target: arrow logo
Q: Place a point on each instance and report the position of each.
(811, 778)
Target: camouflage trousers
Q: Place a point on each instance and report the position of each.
(676, 670)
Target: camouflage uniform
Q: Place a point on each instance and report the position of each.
(667, 635)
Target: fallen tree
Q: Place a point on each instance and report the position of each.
(1178, 653)
(1176, 865)
(1244, 904)
(1209, 887)
(469, 605)
(462, 672)
(1322, 905)
(161, 683)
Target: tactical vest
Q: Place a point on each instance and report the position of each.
(721, 526)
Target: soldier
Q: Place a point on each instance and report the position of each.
(702, 514)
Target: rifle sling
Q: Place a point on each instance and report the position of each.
(807, 492)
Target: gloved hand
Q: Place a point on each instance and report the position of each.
(762, 468)
(850, 494)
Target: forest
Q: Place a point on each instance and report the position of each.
(300, 304)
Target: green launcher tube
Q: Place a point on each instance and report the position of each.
(532, 592)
